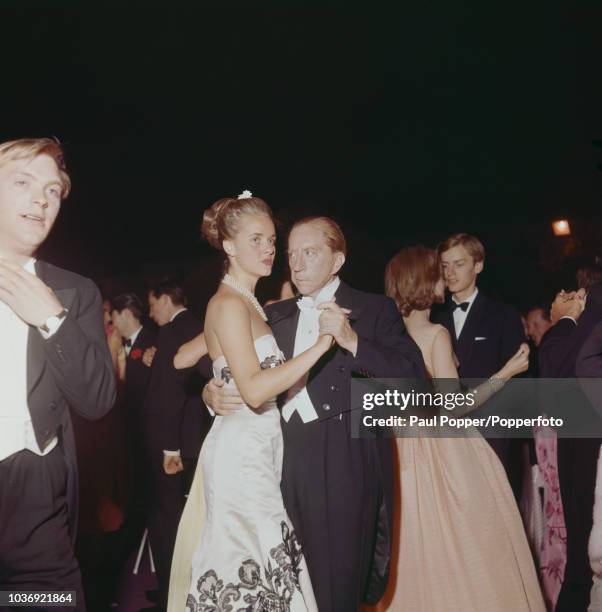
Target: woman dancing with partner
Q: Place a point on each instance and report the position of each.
(461, 541)
(247, 551)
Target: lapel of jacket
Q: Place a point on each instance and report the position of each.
(35, 342)
(466, 341)
(140, 339)
(346, 298)
(283, 319)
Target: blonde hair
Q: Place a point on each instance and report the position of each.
(333, 234)
(471, 243)
(29, 148)
(222, 220)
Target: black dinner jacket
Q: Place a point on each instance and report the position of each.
(498, 328)
(137, 375)
(71, 370)
(385, 349)
(174, 413)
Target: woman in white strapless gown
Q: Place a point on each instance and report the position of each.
(247, 550)
(246, 557)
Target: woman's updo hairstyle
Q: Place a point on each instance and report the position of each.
(222, 221)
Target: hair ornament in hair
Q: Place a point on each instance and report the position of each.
(245, 194)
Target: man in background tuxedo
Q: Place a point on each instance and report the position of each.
(126, 314)
(485, 333)
(337, 490)
(175, 423)
(53, 357)
(574, 320)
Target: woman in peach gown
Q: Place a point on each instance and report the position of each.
(462, 546)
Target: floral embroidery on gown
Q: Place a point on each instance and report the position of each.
(552, 558)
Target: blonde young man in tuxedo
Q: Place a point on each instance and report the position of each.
(53, 357)
(485, 333)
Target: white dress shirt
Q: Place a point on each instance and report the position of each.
(16, 429)
(297, 398)
(460, 315)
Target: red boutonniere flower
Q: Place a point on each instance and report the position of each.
(136, 354)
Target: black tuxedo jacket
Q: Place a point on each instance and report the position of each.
(589, 358)
(71, 370)
(491, 334)
(174, 413)
(137, 375)
(384, 349)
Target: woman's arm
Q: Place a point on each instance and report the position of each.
(444, 367)
(231, 324)
(189, 354)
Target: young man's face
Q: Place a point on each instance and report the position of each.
(459, 269)
(120, 321)
(312, 261)
(30, 200)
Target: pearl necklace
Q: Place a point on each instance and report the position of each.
(232, 282)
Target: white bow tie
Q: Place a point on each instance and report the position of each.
(307, 305)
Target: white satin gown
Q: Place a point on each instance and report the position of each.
(248, 557)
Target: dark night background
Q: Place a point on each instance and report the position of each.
(404, 124)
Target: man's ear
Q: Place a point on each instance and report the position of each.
(229, 248)
(339, 260)
(479, 267)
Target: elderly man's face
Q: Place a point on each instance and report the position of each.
(312, 262)
(30, 200)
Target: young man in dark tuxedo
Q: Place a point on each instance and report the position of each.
(485, 333)
(126, 314)
(175, 423)
(337, 490)
(53, 357)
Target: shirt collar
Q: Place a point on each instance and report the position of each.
(175, 314)
(132, 337)
(327, 292)
(30, 265)
(470, 299)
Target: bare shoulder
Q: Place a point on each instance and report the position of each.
(441, 339)
(226, 305)
(440, 332)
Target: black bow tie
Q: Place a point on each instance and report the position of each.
(464, 306)
(127, 342)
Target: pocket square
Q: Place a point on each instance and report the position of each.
(477, 338)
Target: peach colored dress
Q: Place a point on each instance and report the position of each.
(461, 546)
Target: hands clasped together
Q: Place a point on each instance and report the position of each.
(568, 304)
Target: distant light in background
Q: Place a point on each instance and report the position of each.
(561, 227)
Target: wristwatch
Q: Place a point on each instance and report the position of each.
(51, 324)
